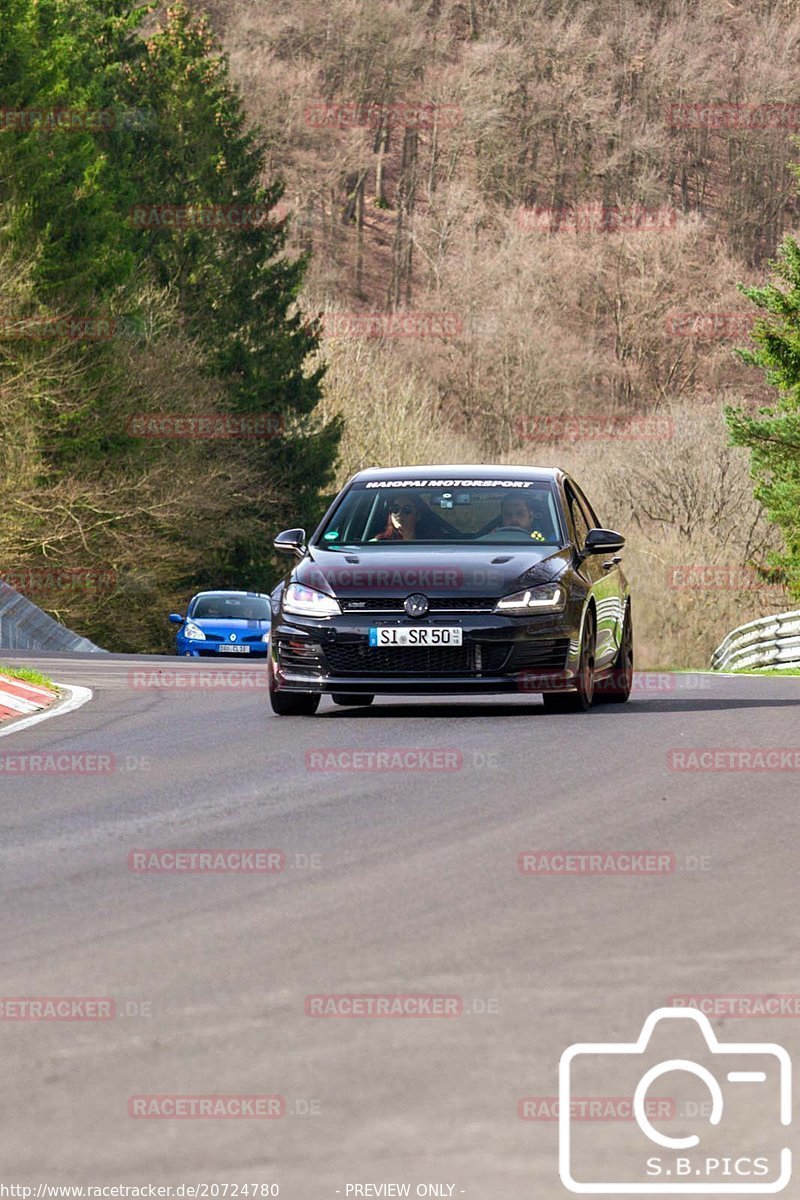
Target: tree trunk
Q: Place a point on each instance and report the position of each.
(360, 234)
(473, 19)
(380, 147)
(403, 245)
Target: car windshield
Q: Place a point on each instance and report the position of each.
(445, 511)
(232, 608)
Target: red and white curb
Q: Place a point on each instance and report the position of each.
(18, 699)
(25, 704)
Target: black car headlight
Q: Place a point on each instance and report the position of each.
(302, 601)
(549, 597)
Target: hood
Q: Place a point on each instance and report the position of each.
(228, 624)
(447, 571)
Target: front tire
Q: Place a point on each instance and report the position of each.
(617, 688)
(581, 699)
(291, 704)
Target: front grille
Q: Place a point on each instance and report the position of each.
(371, 605)
(361, 659)
(219, 654)
(437, 604)
(461, 604)
(548, 653)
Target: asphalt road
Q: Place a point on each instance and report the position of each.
(401, 881)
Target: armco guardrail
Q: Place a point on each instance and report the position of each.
(768, 642)
(23, 626)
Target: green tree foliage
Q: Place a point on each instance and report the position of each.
(773, 434)
(236, 284)
(207, 319)
(60, 182)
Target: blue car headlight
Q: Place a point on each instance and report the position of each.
(193, 633)
(550, 597)
(302, 601)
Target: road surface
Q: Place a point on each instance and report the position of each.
(393, 882)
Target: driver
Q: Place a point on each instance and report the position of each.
(518, 512)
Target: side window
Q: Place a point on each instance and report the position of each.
(588, 511)
(579, 521)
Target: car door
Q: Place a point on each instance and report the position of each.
(604, 576)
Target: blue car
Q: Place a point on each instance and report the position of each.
(229, 623)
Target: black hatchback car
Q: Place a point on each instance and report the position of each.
(453, 579)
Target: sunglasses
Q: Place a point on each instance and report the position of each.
(404, 510)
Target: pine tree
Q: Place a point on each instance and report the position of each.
(173, 133)
(238, 289)
(773, 435)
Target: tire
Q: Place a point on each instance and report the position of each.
(617, 688)
(581, 699)
(350, 699)
(291, 704)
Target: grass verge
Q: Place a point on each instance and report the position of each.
(25, 675)
(790, 671)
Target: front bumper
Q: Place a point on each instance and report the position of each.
(207, 649)
(498, 655)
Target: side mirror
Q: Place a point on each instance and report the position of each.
(603, 541)
(176, 618)
(291, 541)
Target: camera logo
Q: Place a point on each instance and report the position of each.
(736, 1094)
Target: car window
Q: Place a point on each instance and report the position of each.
(231, 608)
(456, 511)
(579, 520)
(588, 510)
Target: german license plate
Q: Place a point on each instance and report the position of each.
(234, 650)
(421, 635)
